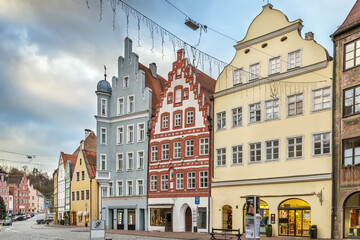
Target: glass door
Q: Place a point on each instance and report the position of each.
(131, 219)
(120, 219)
(292, 223)
(298, 222)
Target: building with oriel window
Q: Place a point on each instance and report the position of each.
(347, 127)
(273, 130)
(124, 111)
(179, 152)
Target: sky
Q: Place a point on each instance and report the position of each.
(52, 54)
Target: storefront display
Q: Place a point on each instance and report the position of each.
(264, 214)
(157, 216)
(120, 219)
(352, 216)
(131, 219)
(227, 217)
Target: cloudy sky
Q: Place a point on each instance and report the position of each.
(52, 55)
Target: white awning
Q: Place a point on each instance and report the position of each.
(79, 213)
(86, 213)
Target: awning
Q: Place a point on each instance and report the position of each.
(79, 213)
(86, 214)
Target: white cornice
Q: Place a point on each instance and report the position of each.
(124, 117)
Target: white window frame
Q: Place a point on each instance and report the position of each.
(118, 186)
(222, 155)
(277, 67)
(295, 65)
(237, 153)
(191, 180)
(126, 83)
(117, 162)
(128, 161)
(190, 117)
(129, 103)
(177, 97)
(128, 188)
(121, 106)
(295, 144)
(353, 59)
(253, 75)
(103, 160)
(322, 96)
(255, 152)
(165, 121)
(103, 107)
(153, 182)
(321, 143)
(164, 182)
(271, 148)
(189, 148)
(203, 179)
(255, 111)
(179, 180)
(238, 76)
(165, 151)
(239, 112)
(296, 101)
(154, 153)
(138, 160)
(272, 108)
(139, 187)
(120, 135)
(101, 135)
(129, 134)
(141, 132)
(177, 120)
(221, 118)
(177, 150)
(204, 146)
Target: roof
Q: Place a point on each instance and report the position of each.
(156, 85)
(207, 85)
(14, 179)
(68, 157)
(89, 144)
(352, 19)
(90, 158)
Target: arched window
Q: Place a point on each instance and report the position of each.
(352, 216)
(227, 217)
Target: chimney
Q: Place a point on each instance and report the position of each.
(128, 47)
(153, 69)
(87, 133)
(82, 145)
(309, 36)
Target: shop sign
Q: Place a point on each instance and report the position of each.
(307, 215)
(197, 200)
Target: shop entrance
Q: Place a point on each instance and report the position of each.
(352, 216)
(264, 214)
(294, 218)
(188, 220)
(168, 222)
(131, 219)
(227, 217)
(120, 219)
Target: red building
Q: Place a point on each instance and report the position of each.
(4, 189)
(179, 166)
(18, 187)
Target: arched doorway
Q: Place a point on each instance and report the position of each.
(352, 216)
(227, 217)
(264, 214)
(294, 218)
(188, 220)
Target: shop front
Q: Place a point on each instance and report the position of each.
(352, 216)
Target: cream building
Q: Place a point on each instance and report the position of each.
(272, 130)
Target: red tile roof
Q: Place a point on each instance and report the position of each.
(352, 19)
(90, 158)
(69, 157)
(89, 143)
(156, 85)
(207, 85)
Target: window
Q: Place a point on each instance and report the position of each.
(120, 161)
(221, 120)
(154, 153)
(169, 99)
(321, 143)
(186, 94)
(179, 181)
(153, 183)
(140, 160)
(178, 72)
(272, 109)
(238, 76)
(78, 176)
(140, 187)
(73, 196)
(87, 194)
(255, 112)
(352, 54)
(189, 148)
(177, 149)
(82, 175)
(164, 182)
(130, 161)
(177, 119)
(165, 122)
(203, 179)
(131, 104)
(129, 188)
(190, 117)
(237, 154)
(221, 157)
(126, 82)
(141, 132)
(177, 95)
(272, 150)
(120, 188)
(130, 134)
(237, 117)
(255, 152)
(82, 195)
(103, 161)
(295, 147)
(294, 59)
(165, 151)
(295, 104)
(321, 99)
(103, 136)
(120, 106)
(103, 107)
(274, 65)
(77, 195)
(120, 135)
(254, 71)
(352, 101)
(204, 146)
(191, 180)
(351, 151)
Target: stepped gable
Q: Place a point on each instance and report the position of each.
(89, 143)
(14, 179)
(353, 18)
(156, 85)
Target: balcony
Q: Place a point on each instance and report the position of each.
(350, 175)
(103, 175)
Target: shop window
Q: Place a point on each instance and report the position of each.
(227, 217)
(157, 216)
(201, 218)
(352, 216)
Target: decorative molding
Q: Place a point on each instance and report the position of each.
(124, 117)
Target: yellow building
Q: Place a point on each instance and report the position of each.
(272, 133)
(84, 200)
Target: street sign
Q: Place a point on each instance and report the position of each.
(197, 200)
(97, 229)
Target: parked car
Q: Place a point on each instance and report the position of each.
(28, 216)
(19, 218)
(31, 214)
(7, 222)
(40, 219)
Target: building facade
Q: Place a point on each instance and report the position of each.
(273, 128)
(61, 186)
(33, 200)
(179, 152)
(347, 127)
(18, 187)
(4, 189)
(124, 111)
(55, 179)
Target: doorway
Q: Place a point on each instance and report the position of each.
(168, 222)
(120, 219)
(188, 220)
(131, 219)
(227, 217)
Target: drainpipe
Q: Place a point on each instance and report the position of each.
(211, 172)
(90, 213)
(147, 174)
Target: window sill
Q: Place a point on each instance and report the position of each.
(321, 155)
(141, 140)
(295, 158)
(129, 170)
(236, 126)
(253, 123)
(139, 169)
(119, 144)
(255, 162)
(294, 116)
(220, 130)
(271, 119)
(130, 143)
(350, 115)
(320, 110)
(272, 160)
(220, 166)
(236, 164)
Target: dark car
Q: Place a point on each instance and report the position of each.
(19, 218)
(31, 214)
(7, 223)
